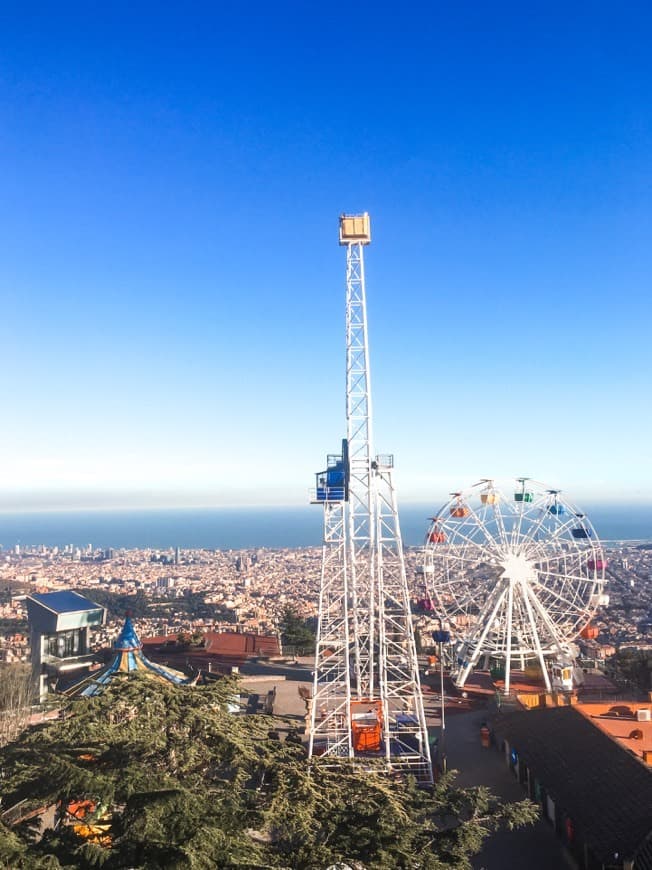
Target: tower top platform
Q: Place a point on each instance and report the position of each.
(355, 229)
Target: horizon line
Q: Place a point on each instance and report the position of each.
(416, 502)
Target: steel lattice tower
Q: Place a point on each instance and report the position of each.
(366, 696)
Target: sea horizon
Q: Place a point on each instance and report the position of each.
(243, 527)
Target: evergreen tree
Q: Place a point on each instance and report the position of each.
(296, 632)
(175, 781)
(16, 698)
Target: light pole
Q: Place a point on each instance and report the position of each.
(441, 637)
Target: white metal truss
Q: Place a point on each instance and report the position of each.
(361, 528)
(406, 732)
(366, 668)
(331, 685)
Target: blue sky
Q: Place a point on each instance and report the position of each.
(172, 322)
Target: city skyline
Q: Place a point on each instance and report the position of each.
(173, 291)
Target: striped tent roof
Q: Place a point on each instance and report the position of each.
(128, 659)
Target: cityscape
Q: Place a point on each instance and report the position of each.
(250, 590)
(234, 632)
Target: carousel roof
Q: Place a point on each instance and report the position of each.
(127, 639)
(128, 659)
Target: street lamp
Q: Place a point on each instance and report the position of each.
(441, 637)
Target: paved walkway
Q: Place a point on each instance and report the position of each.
(535, 847)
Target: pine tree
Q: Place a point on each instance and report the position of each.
(175, 781)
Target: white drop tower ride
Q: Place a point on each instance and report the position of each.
(367, 701)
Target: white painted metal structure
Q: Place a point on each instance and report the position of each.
(331, 697)
(367, 700)
(515, 577)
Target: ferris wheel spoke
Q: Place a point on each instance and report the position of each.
(516, 528)
(454, 554)
(454, 593)
(554, 534)
(560, 596)
(559, 535)
(525, 510)
(490, 540)
(475, 644)
(446, 597)
(458, 567)
(549, 592)
(533, 531)
(476, 545)
(548, 622)
(569, 561)
(500, 524)
(568, 579)
(462, 602)
(535, 636)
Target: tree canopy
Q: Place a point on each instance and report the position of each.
(296, 632)
(16, 697)
(172, 780)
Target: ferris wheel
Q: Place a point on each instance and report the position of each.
(515, 577)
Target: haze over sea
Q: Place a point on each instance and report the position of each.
(244, 528)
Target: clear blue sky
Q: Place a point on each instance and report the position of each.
(172, 322)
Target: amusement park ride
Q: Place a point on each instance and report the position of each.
(367, 700)
(515, 579)
(512, 580)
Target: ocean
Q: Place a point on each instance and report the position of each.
(244, 528)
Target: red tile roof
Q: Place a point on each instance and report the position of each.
(221, 645)
(612, 719)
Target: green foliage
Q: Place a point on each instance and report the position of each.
(186, 785)
(296, 632)
(118, 603)
(13, 850)
(12, 626)
(633, 668)
(139, 604)
(16, 695)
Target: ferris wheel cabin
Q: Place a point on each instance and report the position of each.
(524, 495)
(581, 532)
(458, 509)
(489, 497)
(556, 508)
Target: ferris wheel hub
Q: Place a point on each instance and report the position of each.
(517, 567)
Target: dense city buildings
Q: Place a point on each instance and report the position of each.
(176, 591)
(188, 604)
